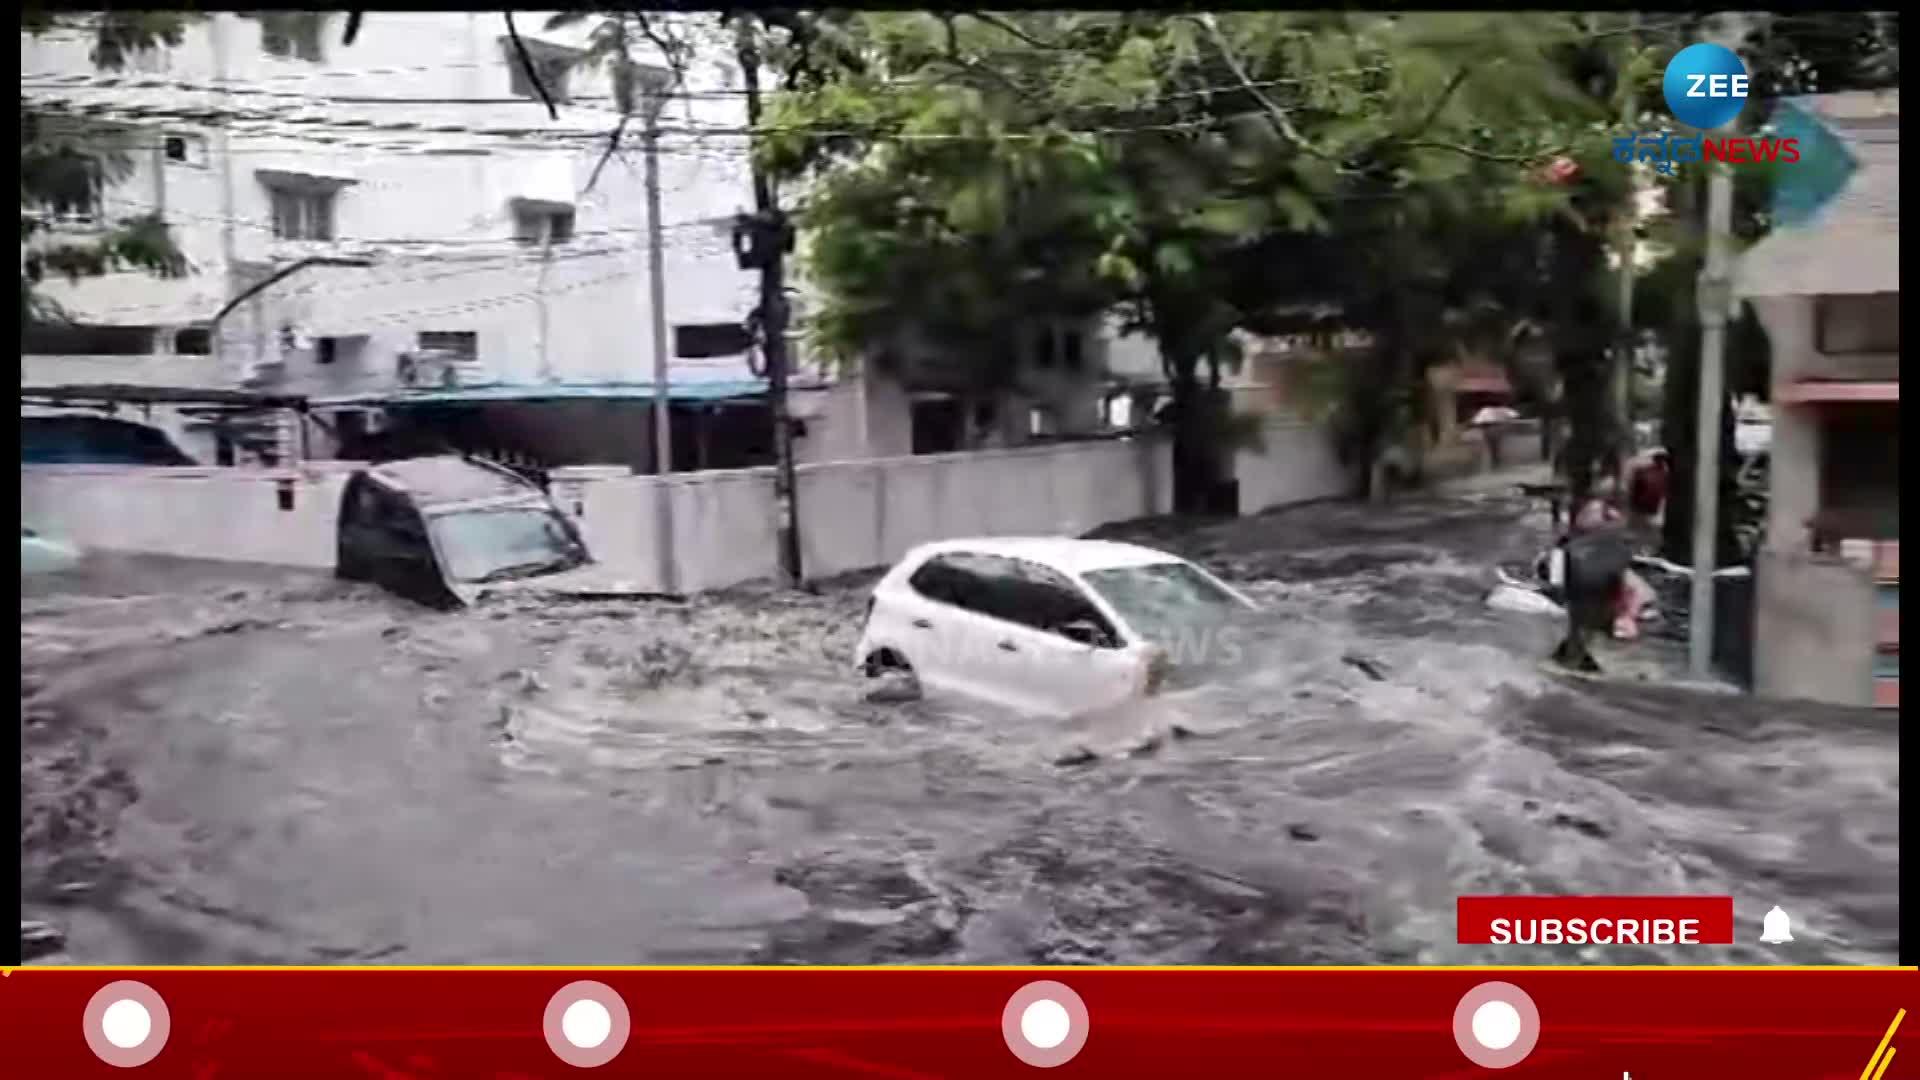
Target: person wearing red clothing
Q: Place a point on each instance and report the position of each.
(1647, 488)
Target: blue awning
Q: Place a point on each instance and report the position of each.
(501, 395)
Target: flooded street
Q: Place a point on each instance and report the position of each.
(277, 768)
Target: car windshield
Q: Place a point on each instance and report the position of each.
(1162, 598)
(511, 542)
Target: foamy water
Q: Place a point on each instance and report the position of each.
(322, 772)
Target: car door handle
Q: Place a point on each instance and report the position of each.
(1008, 646)
(922, 624)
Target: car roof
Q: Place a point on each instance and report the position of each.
(1061, 552)
(435, 481)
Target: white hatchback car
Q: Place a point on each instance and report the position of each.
(1039, 625)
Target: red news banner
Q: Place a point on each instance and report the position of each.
(516, 1024)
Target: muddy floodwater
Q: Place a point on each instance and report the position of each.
(264, 767)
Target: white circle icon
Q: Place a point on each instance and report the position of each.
(586, 1023)
(1497, 1025)
(126, 1023)
(1045, 1023)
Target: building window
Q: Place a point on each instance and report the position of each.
(73, 187)
(703, 341)
(1055, 347)
(193, 341)
(185, 150)
(1860, 472)
(302, 215)
(530, 226)
(1072, 350)
(72, 339)
(553, 64)
(455, 345)
(293, 35)
(1043, 347)
(1858, 324)
(326, 350)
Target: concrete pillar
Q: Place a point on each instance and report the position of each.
(1794, 462)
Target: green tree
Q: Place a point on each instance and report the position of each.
(64, 157)
(1198, 173)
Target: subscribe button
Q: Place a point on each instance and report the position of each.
(1595, 920)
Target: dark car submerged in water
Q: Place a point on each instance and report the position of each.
(452, 531)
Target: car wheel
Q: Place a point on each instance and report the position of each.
(895, 679)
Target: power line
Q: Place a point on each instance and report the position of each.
(108, 81)
(168, 212)
(749, 131)
(694, 147)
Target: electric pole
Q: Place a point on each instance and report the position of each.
(1716, 301)
(540, 294)
(653, 102)
(761, 242)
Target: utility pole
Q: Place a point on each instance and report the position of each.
(657, 302)
(540, 294)
(1716, 300)
(1620, 389)
(219, 28)
(761, 242)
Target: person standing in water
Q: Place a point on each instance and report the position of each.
(1594, 559)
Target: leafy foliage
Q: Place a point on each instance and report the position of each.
(1198, 173)
(62, 156)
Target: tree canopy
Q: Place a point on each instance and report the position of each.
(67, 159)
(1197, 173)
(63, 156)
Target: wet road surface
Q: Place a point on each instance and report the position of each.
(228, 767)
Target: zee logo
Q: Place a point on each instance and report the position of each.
(1706, 86)
(1716, 86)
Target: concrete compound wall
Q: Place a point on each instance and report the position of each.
(1294, 463)
(858, 515)
(1819, 629)
(853, 515)
(205, 513)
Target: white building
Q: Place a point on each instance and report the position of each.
(420, 151)
(486, 251)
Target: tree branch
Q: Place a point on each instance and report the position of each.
(674, 51)
(965, 63)
(1281, 121)
(1002, 24)
(526, 64)
(1439, 103)
(613, 147)
(1484, 155)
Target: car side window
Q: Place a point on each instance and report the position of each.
(1012, 590)
(977, 583)
(1050, 601)
(935, 580)
(992, 586)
